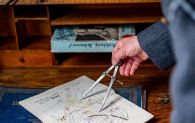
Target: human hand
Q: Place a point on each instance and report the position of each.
(130, 51)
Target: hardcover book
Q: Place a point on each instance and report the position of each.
(131, 93)
(89, 38)
(63, 104)
(10, 110)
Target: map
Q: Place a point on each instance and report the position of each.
(62, 104)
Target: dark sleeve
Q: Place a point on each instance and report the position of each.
(155, 41)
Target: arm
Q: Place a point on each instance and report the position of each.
(154, 42)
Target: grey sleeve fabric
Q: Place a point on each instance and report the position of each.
(181, 18)
(155, 41)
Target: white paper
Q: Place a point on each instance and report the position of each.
(62, 105)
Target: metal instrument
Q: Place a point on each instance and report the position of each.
(113, 79)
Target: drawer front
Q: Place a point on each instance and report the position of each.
(26, 59)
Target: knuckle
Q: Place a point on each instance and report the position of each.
(119, 44)
(130, 61)
(136, 67)
(136, 63)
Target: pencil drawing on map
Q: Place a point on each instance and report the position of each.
(63, 105)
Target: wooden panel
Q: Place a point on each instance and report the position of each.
(6, 22)
(21, 33)
(49, 21)
(38, 28)
(33, 15)
(20, 2)
(51, 33)
(37, 43)
(94, 1)
(33, 35)
(82, 60)
(34, 2)
(109, 16)
(8, 43)
(105, 6)
(26, 59)
(152, 79)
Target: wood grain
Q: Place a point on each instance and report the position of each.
(37, 2)
(37, 28)
(37, 43)
(26, 58)
(8, 43)
(49, 21)
(51, 31)
(33, 15)
(21, 33)
(105, 6)
(95, 1)
(82, 60)
(21, 2)
(152, 79)
(33, 34)
(108, 16)
(6, 22)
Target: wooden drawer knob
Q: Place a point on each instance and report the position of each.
(21, 59)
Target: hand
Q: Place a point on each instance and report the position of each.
(130, 51)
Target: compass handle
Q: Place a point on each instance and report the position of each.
(120, 63)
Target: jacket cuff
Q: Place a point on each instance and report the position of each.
(155, 41)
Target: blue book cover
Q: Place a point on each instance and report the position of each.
(89, 38)
(131, 93)
(12, 112)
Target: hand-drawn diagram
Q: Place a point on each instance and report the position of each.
(64, 106)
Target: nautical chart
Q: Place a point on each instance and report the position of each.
(62, 104)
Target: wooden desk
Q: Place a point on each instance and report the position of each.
(25, 33)
(151, 78)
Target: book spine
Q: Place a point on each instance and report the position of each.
(144, 99)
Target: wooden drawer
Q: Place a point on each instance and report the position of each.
(26, 58)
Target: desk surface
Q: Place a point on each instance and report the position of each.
(53, 2)
(151, 78)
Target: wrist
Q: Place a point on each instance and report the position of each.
(143, 55)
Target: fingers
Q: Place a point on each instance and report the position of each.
(122, 68)
(120, 54)
(115, 50)
(128, 66)
(136, 58)
(134, 67)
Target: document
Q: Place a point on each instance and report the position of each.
(62, 105)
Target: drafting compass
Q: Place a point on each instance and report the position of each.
(113, 79)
